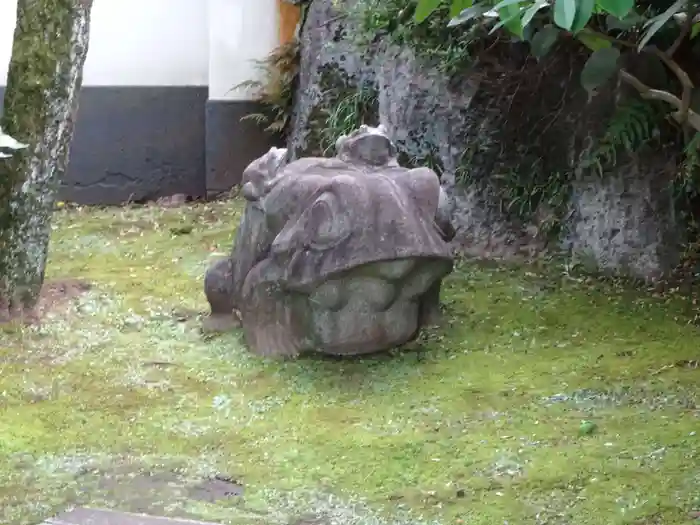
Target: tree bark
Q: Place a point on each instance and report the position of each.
(41, 99)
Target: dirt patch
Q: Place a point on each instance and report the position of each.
(156, 492)
(134, 487)
(215, 489)
(55, 297)
(140, 492)
(148, 490)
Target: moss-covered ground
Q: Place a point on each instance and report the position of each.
(119, 401)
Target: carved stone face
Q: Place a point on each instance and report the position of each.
(339, 255)
(369, 146)
(260, 172)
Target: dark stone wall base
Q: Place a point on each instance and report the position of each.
(232, 143)
(135, 144)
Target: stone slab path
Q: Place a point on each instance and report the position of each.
(86, 516)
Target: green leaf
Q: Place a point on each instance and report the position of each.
(592, 41)
(599, 68)
(513, 23)
(528, 32)
(564, 13)
(584, 11)
(425, 8)
(618, 8)
(695, 31)
(458, 6)
(468, 14)
(510, 18)
(532, 11)
(623, 24)
(586, 428)
(543, 40)
(656, 23)
(506, 3)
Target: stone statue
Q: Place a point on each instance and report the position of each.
(341, 255)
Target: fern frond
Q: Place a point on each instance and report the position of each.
(692, 149)
(631, 126)
(690, 167)
(276, 91)
(258, 118)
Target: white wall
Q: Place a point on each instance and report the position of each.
(148, 43)
(136, 42)
(170, 43)
(8, 16)
(240, 31)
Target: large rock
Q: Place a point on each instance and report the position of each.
(341, 255)
(626, 223)
(509, 116)
(330, 68)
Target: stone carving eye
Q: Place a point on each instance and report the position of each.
(321, 227)
(325, 223)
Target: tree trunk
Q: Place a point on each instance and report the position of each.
(41, 99)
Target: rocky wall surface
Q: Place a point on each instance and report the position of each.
(508, 116)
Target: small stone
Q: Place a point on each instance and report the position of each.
(173, 201)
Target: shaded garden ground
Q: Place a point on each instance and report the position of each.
(117, 399)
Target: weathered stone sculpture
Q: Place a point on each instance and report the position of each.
(340, 255)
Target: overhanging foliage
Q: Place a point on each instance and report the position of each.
(605, 27)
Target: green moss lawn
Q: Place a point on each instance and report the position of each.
(544, 400)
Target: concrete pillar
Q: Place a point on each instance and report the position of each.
(240, 32)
